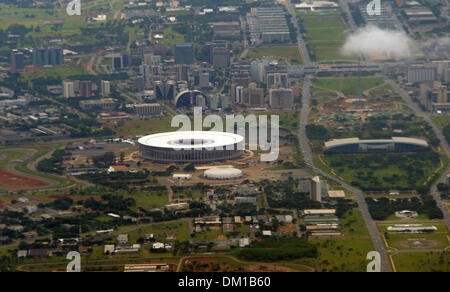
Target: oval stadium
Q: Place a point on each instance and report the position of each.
(191, 147)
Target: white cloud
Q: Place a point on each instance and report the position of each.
(373, 41)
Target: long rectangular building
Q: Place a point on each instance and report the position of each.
(393, 144)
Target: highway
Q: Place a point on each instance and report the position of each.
(307, 154)
(346, 10)
(300, 41)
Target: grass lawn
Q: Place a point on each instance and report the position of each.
(69, 69)
(441, 121)
(349, 86)
(346, 253)
(373, 171)
(399, 241)
(171, 37)
(289, 52)
(133, 128)
(422, 262)
(208, 235)
(149, 200)
(325, 34)
(160, 231)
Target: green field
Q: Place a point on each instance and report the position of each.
(143, 127)
(208, 235)
(437, 239)
(160, 230)
(346, 253)
(291, 53)
(348, 86)
(422, 262)
(441, 121)
(377, 171)
(325, 35)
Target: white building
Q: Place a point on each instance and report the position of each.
(106, 88)
(68, 89)
(316, 190)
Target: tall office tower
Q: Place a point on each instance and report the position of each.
(184, 54)
(144, 70)
(421, 73)
(85, 88)
(220, 57)
(281, 98)
(125, 60)
(239, 95)
(55, 56)
(441, 93)
(147, 58)
(17, 63)
(156, 60)
(117, 62)
(40, 57)
(254, 96)
(315, 191)
(106, 88)
(139, 82)
(240, 79)
(275, 78)
(68, 89)
(258, 68)
(203, 80)
(182, 72)
(165, 90)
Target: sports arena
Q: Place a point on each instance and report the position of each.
(191, 147)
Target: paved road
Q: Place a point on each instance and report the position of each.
(346, 9)
(307, 154)
(300, 41)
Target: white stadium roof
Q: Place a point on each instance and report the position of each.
(222, 173)
(191, 140)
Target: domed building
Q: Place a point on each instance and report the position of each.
(223, 173)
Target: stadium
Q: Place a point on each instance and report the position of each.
(191, 147)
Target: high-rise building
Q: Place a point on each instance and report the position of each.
(145, 71)
(254, 96)
(165, 90)
(106, 88)
(184, 54)
(85, 88)
(17, 63)
(240, 79)
(277, 78)
(421, 73)
(281, 98)
(220, 57)
(316, 192)
(203, 80)
(239, 95)
(50, 56)
(68, 89)
(182, 72)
